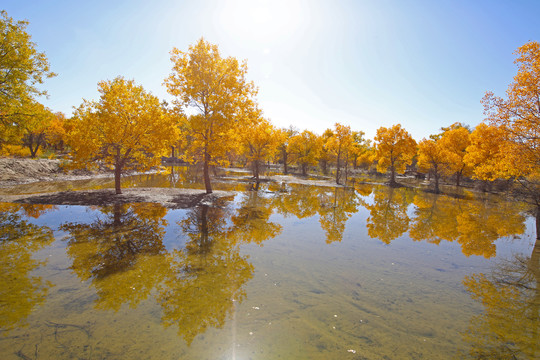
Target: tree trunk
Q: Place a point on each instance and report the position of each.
(346, 169)
(436, 176)
(34, 150)
(392, 176)
(304, 169)
(324, 166)
(538, 226)
(337, 167)
(117, 215)
(206, 173)
(256, 170)
(117, 173)
(285, 168)
(458, 178)
(204, 242)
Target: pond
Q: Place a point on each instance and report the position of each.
(286, 272)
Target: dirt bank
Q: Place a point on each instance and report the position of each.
(168, 197)
(15, 171)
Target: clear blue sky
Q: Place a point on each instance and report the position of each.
(424, 64)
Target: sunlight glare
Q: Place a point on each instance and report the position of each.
(268, 21)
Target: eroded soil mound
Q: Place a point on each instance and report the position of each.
(20, 170)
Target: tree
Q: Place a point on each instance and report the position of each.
(216, 89)
(454, 143)
(360, 149)
(340, 143)
(432, 157)
(518, 117)
(395, 149)
(35, 128)
(325, 153)
(126, 129)
(486, 152)
(57, 131)
(22, 70)
(304, 149)
(285, 135)
(259, 143)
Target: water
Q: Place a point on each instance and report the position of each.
(288, 272)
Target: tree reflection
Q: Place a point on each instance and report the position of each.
(252, 219)
(475, 223)
(509, 327)
(20, 290)
(208, 275)
(119, 252)
(123, 255)
(301, 201)
(436, 218)
(484, 221)
(336, 207)
(388, 214)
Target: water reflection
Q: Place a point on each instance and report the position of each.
(252, 219)
(120, 252)
(476, 223)
(333, 205)
(117, 251)
(388, 218)
(206, 277)
(509, 327)
(20, 290)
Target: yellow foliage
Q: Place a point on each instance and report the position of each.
(125, 129)
(488, 153)
(395, 149)
(339, 145)
(304, 149)
(217, 90)
(259, 143)
(519, 115)
(15, 150)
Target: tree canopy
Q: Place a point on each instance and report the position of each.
(125, 129)
(22, 69)
(395, 150)
(217, 90)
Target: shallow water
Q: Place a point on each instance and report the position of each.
(288, 272)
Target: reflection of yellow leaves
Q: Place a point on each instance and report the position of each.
(114, 252)
(482, 222)
(388, 215)
(334, 206)
(251, 222)
(475, 223)
(335, 211)
(508, 327)
(20, 291)
(201, 290)
(435, 218)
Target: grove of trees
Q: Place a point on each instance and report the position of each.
(215, 120)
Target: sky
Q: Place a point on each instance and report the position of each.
(366, 64)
